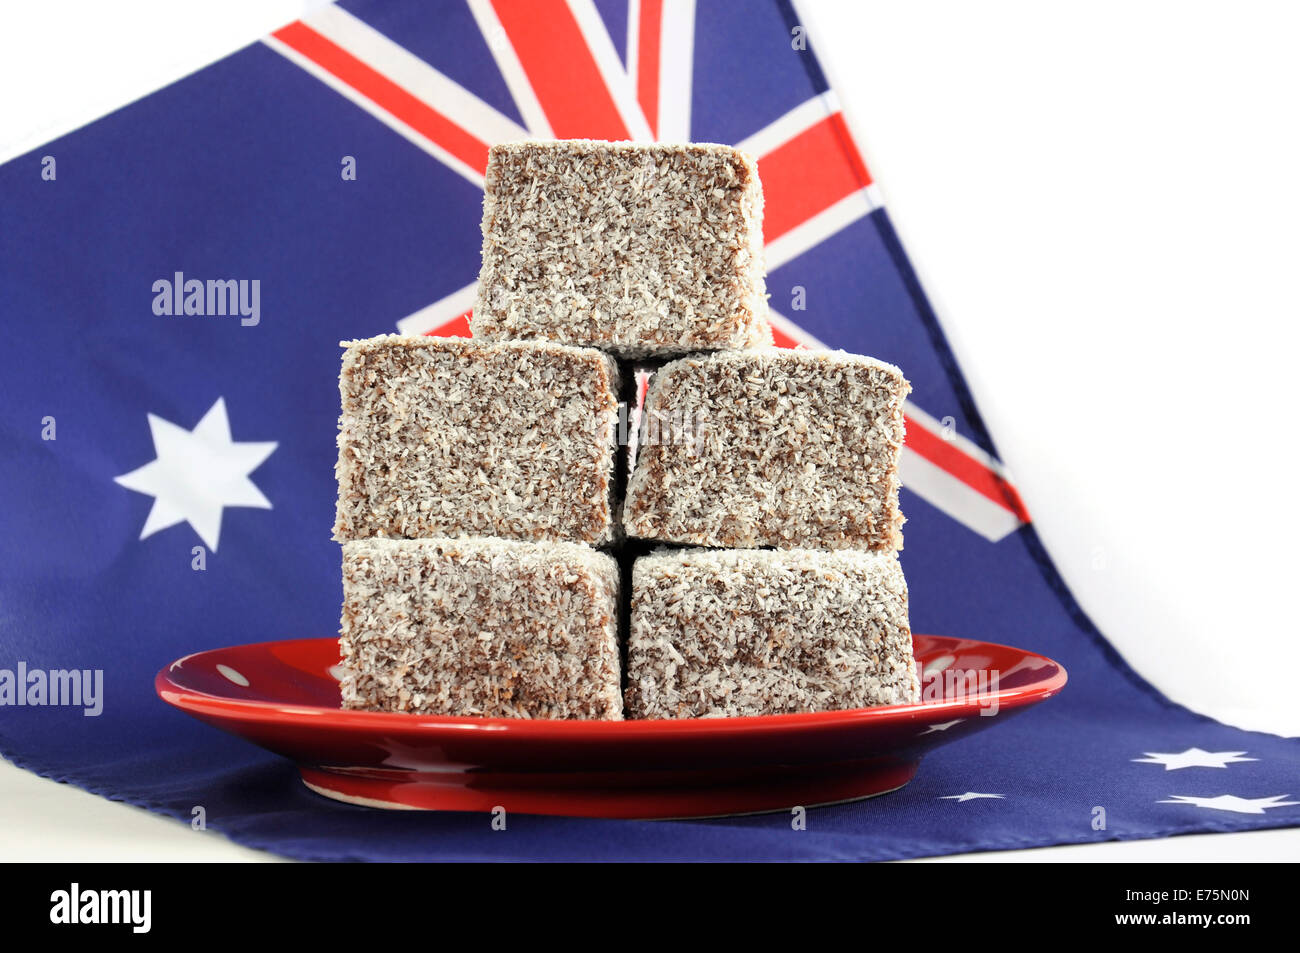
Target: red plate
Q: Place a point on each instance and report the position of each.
(284, 697)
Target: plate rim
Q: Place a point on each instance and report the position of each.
(199, 703)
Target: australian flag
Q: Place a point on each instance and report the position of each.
(175, 279)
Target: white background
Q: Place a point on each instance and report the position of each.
(1102, 201)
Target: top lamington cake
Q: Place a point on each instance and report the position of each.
(637, 249)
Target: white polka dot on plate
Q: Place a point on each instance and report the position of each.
(232, 675)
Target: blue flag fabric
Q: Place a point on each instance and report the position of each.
(241, 170)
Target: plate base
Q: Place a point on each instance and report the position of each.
(622, 795)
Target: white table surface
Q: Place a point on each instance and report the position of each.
(1101, 202)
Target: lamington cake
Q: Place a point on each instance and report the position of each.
(457, 437)
(754, 632)
(480, 627)
(636, 249)
(782, 448)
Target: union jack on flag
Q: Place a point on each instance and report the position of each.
(608, 70)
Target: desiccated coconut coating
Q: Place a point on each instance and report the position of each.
(789, 448)
(480, 627)
(456, 437)
(638, 249)
(728, 633)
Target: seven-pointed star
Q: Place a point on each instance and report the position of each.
(1193, 758)
(1230, 802)
(968, 796)
(196, 474)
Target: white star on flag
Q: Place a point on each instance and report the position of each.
(969, 796)
(1193, 758)
(1230, 802)
(196, 474)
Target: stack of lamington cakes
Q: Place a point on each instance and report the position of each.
(505, 554)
